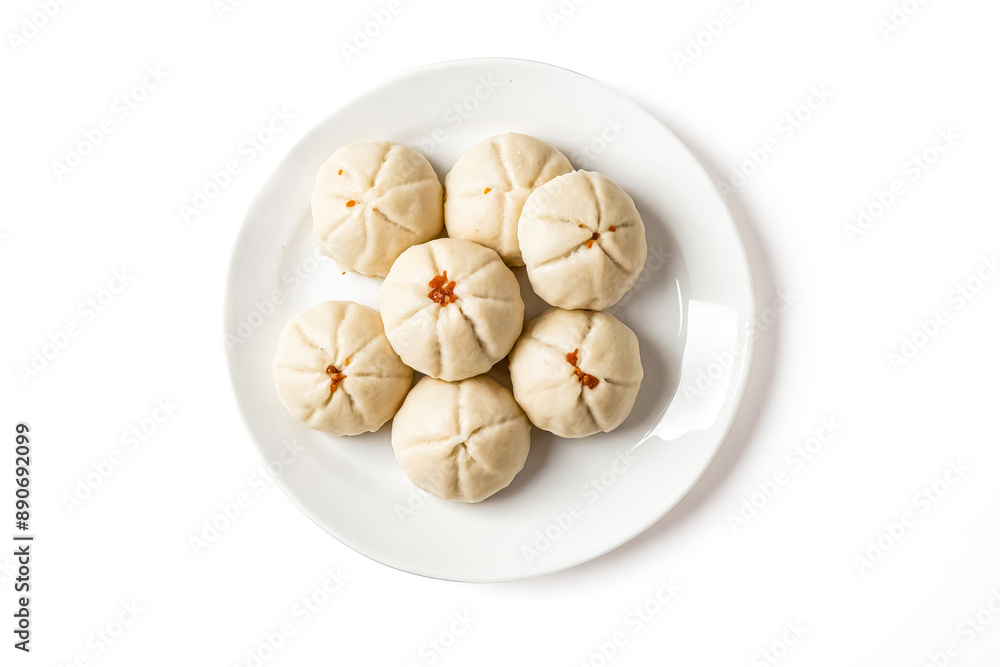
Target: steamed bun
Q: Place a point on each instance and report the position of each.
(583, 242)
(489, 184)
(576, 372)
(336, 372)
(373, 201)
(451, 308)
(462, 440)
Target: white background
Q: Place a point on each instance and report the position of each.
(855, 298)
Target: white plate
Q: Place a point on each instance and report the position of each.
(574, 500)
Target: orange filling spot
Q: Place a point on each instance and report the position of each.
(351, 203)
(588, 381)
(594, 237)
(340, 173)
(582, 226)
(487, 191)
(442, 291)
(336, 377)
(611, 228)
